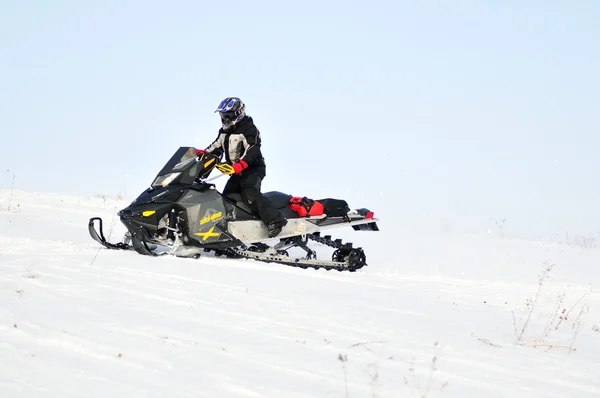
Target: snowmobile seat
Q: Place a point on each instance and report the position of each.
(279, 199)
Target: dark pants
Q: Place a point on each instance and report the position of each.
(248, 185)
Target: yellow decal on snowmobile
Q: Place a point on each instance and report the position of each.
(148, 213)
(209, 162)
(214, 217)
(225, 168)
(209, 234)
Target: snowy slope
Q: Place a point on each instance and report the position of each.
(433, 320)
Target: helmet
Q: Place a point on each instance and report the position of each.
(231, 110)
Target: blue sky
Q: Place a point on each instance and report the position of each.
(466, 110)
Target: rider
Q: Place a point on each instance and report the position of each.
(239, 140)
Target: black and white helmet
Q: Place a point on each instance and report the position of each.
(231, 110)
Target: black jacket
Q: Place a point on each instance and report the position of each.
(241, 142)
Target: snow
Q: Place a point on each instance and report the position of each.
(438, 318)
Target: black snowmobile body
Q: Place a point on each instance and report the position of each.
(183, 214)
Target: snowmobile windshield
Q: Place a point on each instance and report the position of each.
(182, 168)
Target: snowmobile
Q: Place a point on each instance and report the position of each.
(184, 215)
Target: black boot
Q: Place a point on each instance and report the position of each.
(276, 226)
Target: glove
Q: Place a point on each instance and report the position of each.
(235, 168)
(200, 151)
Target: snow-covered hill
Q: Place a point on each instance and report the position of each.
(440, 315)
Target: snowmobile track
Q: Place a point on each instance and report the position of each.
(344, 258)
